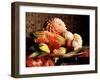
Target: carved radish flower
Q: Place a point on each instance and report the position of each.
(56, 25)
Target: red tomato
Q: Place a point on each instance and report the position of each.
(49, 62)
(39, 62)
(33, 63)
(53, 44)
(29, 62)
(42, 39)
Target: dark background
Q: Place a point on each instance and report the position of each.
(74, 23)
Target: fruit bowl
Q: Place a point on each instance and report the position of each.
(41, 49)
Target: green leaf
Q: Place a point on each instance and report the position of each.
(35, 54)
(38, 33)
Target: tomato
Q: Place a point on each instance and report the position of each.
(49, 62)
(53, 44)
(39, 62)
(42, 39)
(29, 62)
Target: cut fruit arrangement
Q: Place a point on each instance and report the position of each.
(53, 43)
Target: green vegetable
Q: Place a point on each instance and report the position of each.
(44, 47)
(38, 33)
(63, 50)
(61, 40)
(35, 54)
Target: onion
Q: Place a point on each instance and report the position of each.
(77, 41)
(68, 35)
